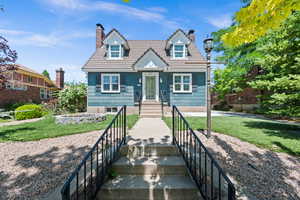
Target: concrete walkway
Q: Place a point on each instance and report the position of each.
(150, 131)
(19, 122)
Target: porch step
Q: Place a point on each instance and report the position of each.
(150, 103)
(135, 187)
(148, 115)
(168, 165)
(133, 150)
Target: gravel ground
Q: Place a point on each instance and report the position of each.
(257, 173)
(28, 170)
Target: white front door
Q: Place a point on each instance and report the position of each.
(150, 86)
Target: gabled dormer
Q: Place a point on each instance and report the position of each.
(150, 60)
(177, 44)
(116, 45)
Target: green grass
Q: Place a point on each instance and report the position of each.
(47, 128)
(268, 134)
(5, 120)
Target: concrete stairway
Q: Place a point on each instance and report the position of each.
(151, 109)
(150, 172)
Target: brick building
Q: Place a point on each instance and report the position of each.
(26, 85)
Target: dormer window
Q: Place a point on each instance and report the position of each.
(179, 51)
(115, 51)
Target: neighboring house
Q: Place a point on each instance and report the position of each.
(245, 100)
(25, 85)
(123, 72)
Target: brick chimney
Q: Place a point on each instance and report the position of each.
(191, 35)
(60, 78)
(100, 35)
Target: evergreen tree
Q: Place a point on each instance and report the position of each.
(280, 64)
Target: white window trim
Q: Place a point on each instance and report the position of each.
(110, 84)
(181, 83)
(184, 52)
(109, 52)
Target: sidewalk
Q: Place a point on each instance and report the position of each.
(150, 131)
(19, 122)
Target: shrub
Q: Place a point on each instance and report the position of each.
(73, 98)
(29, 111)
(13, 106)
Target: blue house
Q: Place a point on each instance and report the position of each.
(145, 73)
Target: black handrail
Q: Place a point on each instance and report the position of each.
(209, 177)
(86, 180)
(162, 101)
(139, 99)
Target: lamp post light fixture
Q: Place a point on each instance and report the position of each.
(208, 46)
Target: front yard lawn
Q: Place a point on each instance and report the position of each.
(263, 133)
(4, 120)
(47, 128)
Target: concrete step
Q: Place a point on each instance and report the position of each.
(151, 107)
(149, 188)
(150, 103)
(151, 112)
(154, 165)
(134, 149)
(150, 115)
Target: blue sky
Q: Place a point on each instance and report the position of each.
(49, 34)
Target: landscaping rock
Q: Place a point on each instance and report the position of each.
(80, 118)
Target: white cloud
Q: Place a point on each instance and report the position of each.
(158, 9)
(155, 15)
(221, 21)
(52, 39)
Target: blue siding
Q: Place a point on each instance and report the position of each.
(196, 98)
(129, 87)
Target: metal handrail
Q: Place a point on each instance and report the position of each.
(139, 97)
(211, 180)
(86, 180)
(162, 100)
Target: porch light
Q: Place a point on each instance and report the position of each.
(208, 47)
(140, 80)
(160, 80)
(208, 44)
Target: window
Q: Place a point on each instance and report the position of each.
(182, 83)
(29, 79)
(110, 83)
(178, 51)
(111, 109)
(43, 93)
(114, 51)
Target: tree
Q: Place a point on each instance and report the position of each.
(239, 62)
(73, 98)
(281, 69)
(259, 17)
(7, 58)
(46, 73)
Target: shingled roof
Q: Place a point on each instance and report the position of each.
(98, 61)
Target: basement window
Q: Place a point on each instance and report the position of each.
(111, 109)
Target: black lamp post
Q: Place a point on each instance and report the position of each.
(208, 46)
